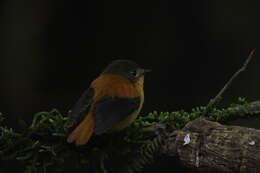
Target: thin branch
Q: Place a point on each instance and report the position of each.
(217, 98)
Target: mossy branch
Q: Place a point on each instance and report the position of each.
(42, 146)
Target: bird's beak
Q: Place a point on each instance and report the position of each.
(143, 71)
(147, 70)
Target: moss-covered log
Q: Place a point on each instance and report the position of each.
(215, 148)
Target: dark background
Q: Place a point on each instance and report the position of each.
(52, 50)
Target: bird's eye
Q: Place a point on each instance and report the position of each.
(133, 73)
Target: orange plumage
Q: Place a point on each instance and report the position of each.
(83, 132)
(113, 85)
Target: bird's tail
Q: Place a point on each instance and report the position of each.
(82, 133)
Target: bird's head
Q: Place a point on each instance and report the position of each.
(127, 69)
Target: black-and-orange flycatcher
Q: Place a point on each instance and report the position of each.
(112, 102)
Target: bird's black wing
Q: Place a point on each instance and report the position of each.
(80, 108)
(109, 111)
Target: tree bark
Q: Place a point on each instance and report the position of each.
(215, 148)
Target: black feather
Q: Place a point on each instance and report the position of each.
(80, 108)
(109, 111)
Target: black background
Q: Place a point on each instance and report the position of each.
(52, 50)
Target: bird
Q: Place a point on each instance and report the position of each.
(111, 103)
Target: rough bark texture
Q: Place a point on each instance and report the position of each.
(216, 148)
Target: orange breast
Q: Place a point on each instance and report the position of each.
(112, 85)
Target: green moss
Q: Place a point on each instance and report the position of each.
(43, 147)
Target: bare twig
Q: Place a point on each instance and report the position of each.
(217, 98)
